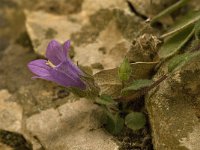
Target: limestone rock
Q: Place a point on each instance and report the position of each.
(60, 27)
(101, 31)
(104, 39)
(11, 126)
(10, 113)
(72, 126)
(108, 50)
(54, 6)
(9, 15)
(150, 8)
(43, 27)
(90, 7)
(174, 109)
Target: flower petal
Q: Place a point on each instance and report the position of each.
(41, 69)
(66, 80)
(55, 52)
(66, 47)
(69, 62)
(69, 68)
(63, 70)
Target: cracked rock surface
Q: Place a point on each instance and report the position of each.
(174, 109)
(69, 127)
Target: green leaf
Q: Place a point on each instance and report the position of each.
(178, 61)
(114, 124)
(135, 120)
(109, 82)
(197, 30)
(176, 42)
(125, 70)
(169, 10)
(183, 23)
(138, 84)
(105, 100)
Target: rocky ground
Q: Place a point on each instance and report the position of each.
(40, 115)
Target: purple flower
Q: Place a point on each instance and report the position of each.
(58, 68)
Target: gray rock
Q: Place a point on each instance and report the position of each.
(10, 113)
(90, 7)
(51, 27)
(42, 32)
(73, 126)
(174, 109)
(9, 29)
(150, 8)
(101, 33)
(12, 125)
(53, 6)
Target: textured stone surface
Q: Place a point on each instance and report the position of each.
(150, 8)
(61, 26)
(104, 39)
(9, 15)
(174, 110)
(10, 113)
(11, 126)
(51, 27)
(90, 7)
(72, 126)
(54, 6)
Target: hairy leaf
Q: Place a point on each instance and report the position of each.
(109, 82)
(105, 100)
(197, 30)
(176, 42)
(135, 120)
(125, 70)
(114, 123)
(142, 69)
(178, 61)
